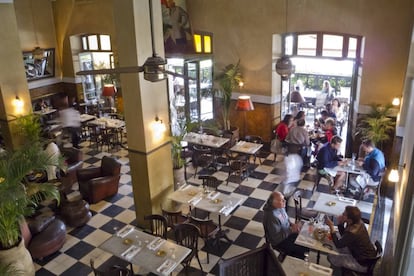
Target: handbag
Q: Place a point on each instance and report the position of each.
(275, 145)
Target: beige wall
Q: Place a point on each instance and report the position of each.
(73, 18)
(243, 29)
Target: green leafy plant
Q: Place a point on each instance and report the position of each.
(18, 196)
(229, 79)
(377, 126)
(176, 147)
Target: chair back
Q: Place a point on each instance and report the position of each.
(110, 166)
(253, 139)
(187, 235)
(259, 261)
(373, 261)
(158, 225)
(173, 217)
(115, 270)
(206, 226)
(297, 199)
(209, 181)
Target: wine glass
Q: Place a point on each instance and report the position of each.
(306, 259)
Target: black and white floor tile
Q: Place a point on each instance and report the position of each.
(244, 224)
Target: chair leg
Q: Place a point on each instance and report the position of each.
(199, 263)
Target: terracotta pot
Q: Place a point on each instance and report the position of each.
(20, 259)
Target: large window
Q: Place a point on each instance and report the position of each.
(318, 44)
(96, 42)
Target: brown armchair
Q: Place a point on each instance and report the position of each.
(74, 160)
(97, 183)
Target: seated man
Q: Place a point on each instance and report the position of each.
(373, 164)
(353, 243)
(279, 231)
(328, 159)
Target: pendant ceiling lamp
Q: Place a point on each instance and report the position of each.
(284, 66)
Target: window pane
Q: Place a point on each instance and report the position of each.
(307, 45)
(207, 44)
(289, 45)
(332, 45)
(197, 41)
(352, 47)
(105, 42)
(84, 43)
(93, 42)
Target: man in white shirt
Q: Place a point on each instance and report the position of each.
(70, 119)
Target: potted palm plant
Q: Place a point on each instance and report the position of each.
(377, 126)
(228, 79)
(18, 197)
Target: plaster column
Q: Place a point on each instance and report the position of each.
(149, 151)
(12, 75)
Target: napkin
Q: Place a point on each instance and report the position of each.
(125, 231)
(226, 210)
(166, 267)
(213, 195)
(184, 187)
(156, 243)
(195, 200)
(347, 200)
(305, 240)
(130, 252)
(321, 270)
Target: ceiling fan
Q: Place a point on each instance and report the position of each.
(153, 67)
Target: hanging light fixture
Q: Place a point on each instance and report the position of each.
(284, 66)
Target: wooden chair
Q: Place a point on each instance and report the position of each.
(158, 225)
(174, 218)
(302, 213)
(257, 140)
(208, 230)
(114, 270)
(259, 261)
(202, 157)
(377, 188)
(237, 165)
(369, 262)
(187, 235)
(94, 136)
(209, 182)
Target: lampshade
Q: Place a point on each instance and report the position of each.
(108, 90)
(296, 97)
(244, 103)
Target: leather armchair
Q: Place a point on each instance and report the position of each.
(97, 183)
(74, 161)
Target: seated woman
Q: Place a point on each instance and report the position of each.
(279, 231)
(282, 129)
(353, 242)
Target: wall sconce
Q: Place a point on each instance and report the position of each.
(158, 128)
(396, 101)
(203, 43)
(18, 105)
(394, 175)
(241, 84)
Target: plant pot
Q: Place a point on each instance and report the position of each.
(20, 259)
(179, 177)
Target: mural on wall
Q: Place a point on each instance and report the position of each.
(178, 35)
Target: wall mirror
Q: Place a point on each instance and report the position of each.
(39, 63)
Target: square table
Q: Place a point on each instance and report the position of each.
(205, 140)
(294, 267)
(334, 205)
(146, 257)
(246, 147)
(305, 238)
(213, 202)
(349, 169)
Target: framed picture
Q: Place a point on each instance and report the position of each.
(39, 63)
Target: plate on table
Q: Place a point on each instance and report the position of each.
(191, 193)
(331, 203)
(216, 201)
(127, 241)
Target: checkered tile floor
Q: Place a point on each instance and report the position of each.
(244, 223)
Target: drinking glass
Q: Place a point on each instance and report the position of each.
(306, 259)
(172, 253)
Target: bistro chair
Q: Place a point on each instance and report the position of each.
(302, 213)
(173, 217)
(94, 135)
(202, 157)
(112, 271)
(257, 140)
(376, 188)
(208, 230)
(369, 263)
(209, 182)
(187, 235)
(237, 165)
(158, 225)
